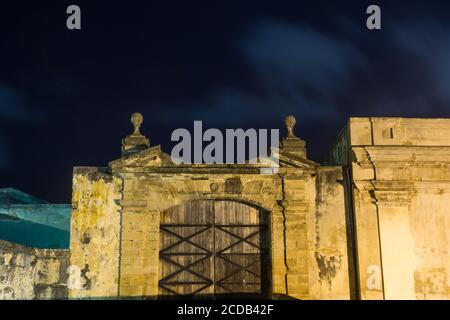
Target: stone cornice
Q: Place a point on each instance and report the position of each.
(389, 198)
(153, 159)
(388, 193)
(401, 155)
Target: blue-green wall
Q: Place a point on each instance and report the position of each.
(32, 222)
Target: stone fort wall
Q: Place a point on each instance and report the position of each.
(399, 174)
(370, 224)
(27, 273)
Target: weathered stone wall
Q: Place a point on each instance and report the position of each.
(430, 229)
(95, 233)
(400, 186)
(306, 210)
(27, 273)
(328, 243)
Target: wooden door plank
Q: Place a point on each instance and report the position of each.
(230, 252)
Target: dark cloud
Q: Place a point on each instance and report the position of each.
(16, 112)
(12, 111)
(5, 155)
(407, 71)
(17, 107)
(12, 104)
(290, 57)
(295, 69)
(300, 70)
(429, 41)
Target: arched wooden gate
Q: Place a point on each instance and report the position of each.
(214, 247)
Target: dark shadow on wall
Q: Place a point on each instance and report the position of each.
(351, 236)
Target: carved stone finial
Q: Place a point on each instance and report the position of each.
(136, 120)
(290, 122)
(135, 142)
(292, 143)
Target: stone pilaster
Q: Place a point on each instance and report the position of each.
(295, 208)
(279, 266)
(139, 246)
(396, 241)
(369, 262)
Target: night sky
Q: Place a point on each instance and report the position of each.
(66, 96)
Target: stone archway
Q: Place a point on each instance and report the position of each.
(214, 248)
